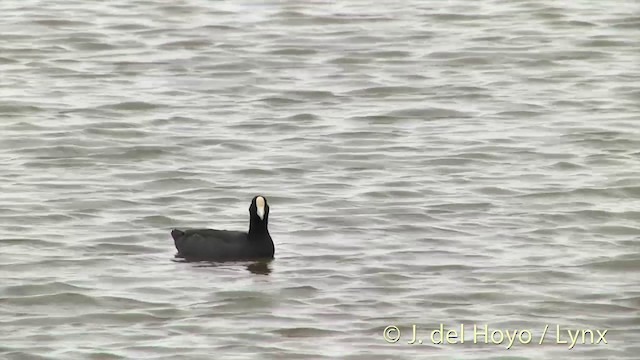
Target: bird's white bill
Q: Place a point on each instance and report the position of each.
(260, 206)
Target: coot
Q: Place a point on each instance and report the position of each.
(225, 245)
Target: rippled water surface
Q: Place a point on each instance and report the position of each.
(426, 162)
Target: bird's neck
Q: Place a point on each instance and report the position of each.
(258, 230)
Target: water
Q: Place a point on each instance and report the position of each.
(426, 162)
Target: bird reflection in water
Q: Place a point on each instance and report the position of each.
(260, 268)
(257, 267)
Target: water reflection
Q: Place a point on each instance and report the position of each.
(260, 267)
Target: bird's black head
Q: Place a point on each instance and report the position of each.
(259, 209)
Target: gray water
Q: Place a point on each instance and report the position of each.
(426, 162)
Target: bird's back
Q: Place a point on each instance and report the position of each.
(212, 244)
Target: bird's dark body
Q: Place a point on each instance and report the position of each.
(220, 245)
(226, 245)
